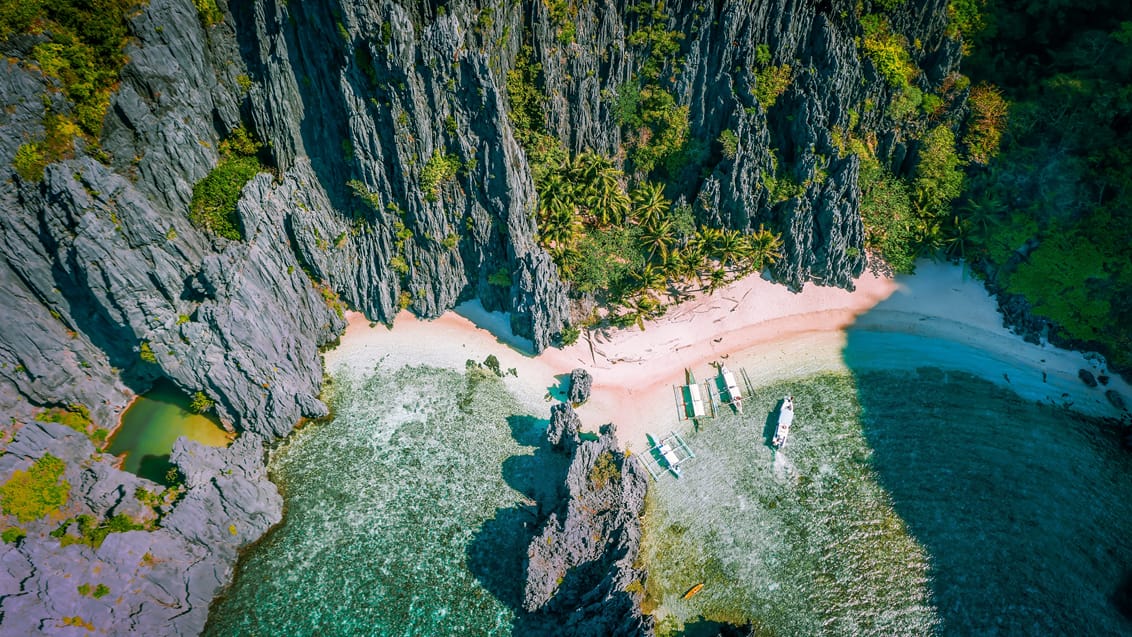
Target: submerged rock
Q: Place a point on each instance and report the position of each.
(1087, 377)
(580, 385)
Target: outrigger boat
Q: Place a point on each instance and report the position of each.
(785, 419)
(734, 394)
(689, 398)
(669, 453)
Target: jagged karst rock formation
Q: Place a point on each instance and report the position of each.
(580, 385)
(833, 88)
(562, 432)
(159, 582)
(397, 182)
(580, 573)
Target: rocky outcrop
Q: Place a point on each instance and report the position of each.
(580, 385)
(158, 581)
(562, 432)
(580, 572)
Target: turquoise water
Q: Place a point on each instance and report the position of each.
(401, 514)
(153, 423)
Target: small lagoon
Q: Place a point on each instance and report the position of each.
(153, 423)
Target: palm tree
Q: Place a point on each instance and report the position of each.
(765, 248)
(650, 278)
(649, 203)
(610, 204)
(957, 237)
(730, 247)
(717, 279)
(659, 238)
(559, 226)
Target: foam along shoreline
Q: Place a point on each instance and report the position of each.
(945, 317)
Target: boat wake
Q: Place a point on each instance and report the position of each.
(784, 469)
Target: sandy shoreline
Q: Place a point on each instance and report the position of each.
(772, 333)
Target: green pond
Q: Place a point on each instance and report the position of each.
(153, 423)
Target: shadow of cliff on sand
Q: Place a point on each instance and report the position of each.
(1021, 509)
(498, 551)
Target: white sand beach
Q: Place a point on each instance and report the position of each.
(762, 327)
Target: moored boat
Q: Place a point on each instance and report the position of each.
(785, 419)
(734, 394)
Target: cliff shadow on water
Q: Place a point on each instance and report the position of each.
(497, 553)
(1021, 508)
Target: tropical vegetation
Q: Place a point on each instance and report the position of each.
(213, 206)
(1048, 217)
(33, 493)
(80, 52)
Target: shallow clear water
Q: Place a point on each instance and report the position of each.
(903, 504)
(153, 423)
(401, 514)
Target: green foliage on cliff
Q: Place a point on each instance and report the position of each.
(604, 471)
(1063, 178)
(32, 494)
(81, 55)
(439, 169)
(209, 13)
(563, 14)
(201, 403)
(888, 51)
(75, 416)
(654, 126)
(213, 206)
(770, 83)
(13, 534)
(93, 532)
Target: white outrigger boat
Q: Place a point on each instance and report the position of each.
(785, 419)
(734, 394)
(668, 453)
(689, 398)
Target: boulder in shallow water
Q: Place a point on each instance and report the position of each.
(1087, 377)
(580, 385)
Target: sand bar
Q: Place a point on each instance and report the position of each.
(760, 326)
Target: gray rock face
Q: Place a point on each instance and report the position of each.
(580, 385)
(562, 432)
(159, 582)
(379, 113)
(580, 567)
